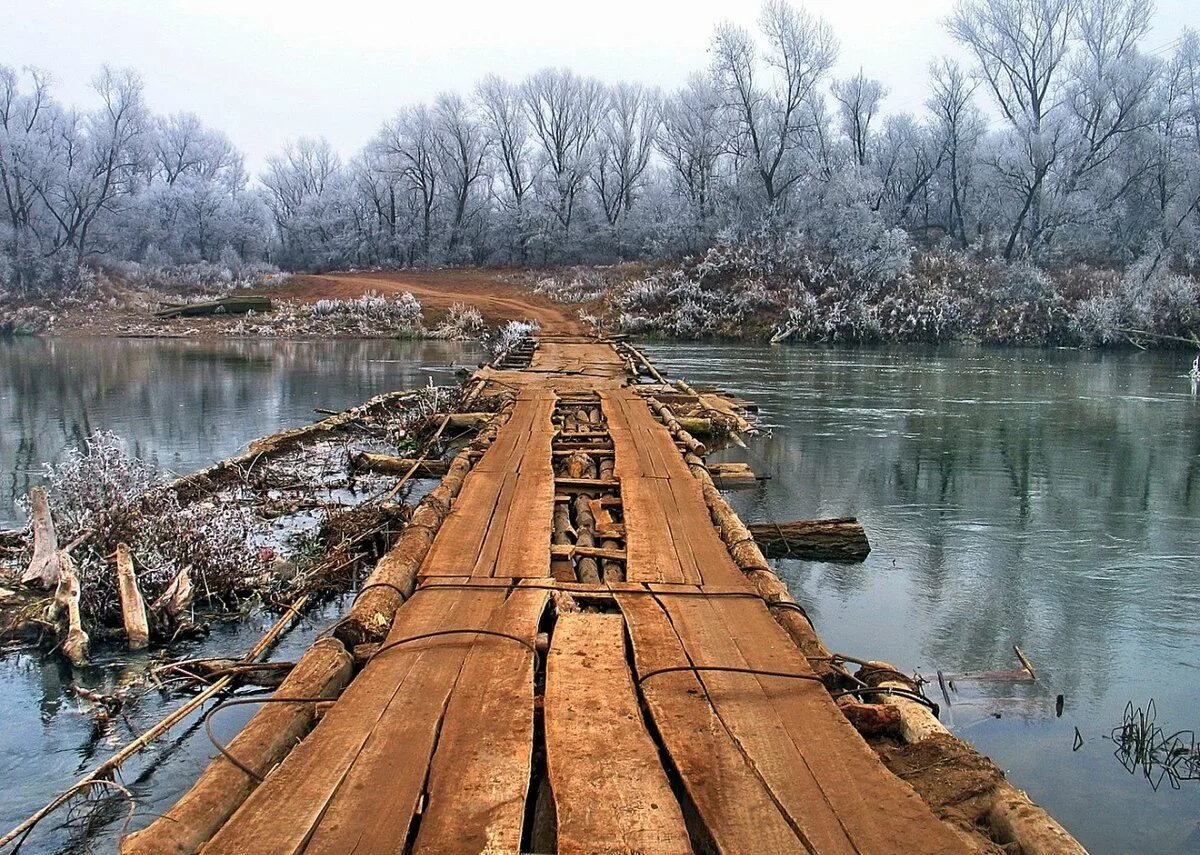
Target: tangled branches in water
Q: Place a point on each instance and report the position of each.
(105, 496)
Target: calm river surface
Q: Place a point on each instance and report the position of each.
(1049, 499)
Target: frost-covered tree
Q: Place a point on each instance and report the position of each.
(511, 169)
(691, 140)
(858, 100)
(766, 92)
(623, 145)
(1022, 50)
(958, 127)
(564, 111)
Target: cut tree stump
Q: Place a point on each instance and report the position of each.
(133, 607)
(43, 569)
(66, 602)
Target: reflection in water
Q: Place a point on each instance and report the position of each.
(1046, 499)
(186, 404)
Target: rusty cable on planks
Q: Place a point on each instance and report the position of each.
(232, 758)
(728, 669)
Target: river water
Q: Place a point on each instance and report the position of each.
(1049, 499)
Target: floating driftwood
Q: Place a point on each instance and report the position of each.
(732, 476)
(235, 305)
(386, 464)
(838, 539)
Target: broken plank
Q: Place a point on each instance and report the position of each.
(282, 813)
(734, 808)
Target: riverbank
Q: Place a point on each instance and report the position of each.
(448, 304)
(726, 293)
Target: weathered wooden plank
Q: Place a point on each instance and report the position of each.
(735, 807)
(611, 793)
(479, 777)
(649, 542)
(525, 541)
(374, 805)
(846, 792)
(281, 814)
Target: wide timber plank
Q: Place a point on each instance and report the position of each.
(734, 805)
(481, 537)
(281, 813)
(649, 540)
(479, 778)
(374, 806)
(610, 791)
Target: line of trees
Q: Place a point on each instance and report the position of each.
(1091, 152)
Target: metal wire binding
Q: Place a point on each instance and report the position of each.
(263, 699)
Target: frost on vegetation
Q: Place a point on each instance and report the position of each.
(111, 496)
(575, 286)
(428, 402)
(198, 279)
(510, 335)
(462, 323)
(372, 312)
(1145, 299)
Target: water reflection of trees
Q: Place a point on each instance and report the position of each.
(183, 403)
(1043, 498)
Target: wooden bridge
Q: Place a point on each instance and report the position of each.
(579, 664)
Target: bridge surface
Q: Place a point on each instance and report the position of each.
(669, 712)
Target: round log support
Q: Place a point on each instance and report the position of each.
(395, 575)
(322, 672)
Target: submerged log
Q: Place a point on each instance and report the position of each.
(43, 569)
(66, 604)
(838, 539)
(238, 304)
(732, 476)
(322, 672)
(386, 464)
(133, 607)
(1012, 816)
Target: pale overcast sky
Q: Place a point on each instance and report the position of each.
(266, 71)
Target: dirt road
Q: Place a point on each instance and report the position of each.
(437, 290)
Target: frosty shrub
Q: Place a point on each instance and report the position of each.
(1160, 301)
(1097, 319)
(719, 293)
(372, 312)
(113, 497)
(98, 480)
(462, 323)
(510, 335)
(197, 279)
(575, 286)
(1022, 280)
